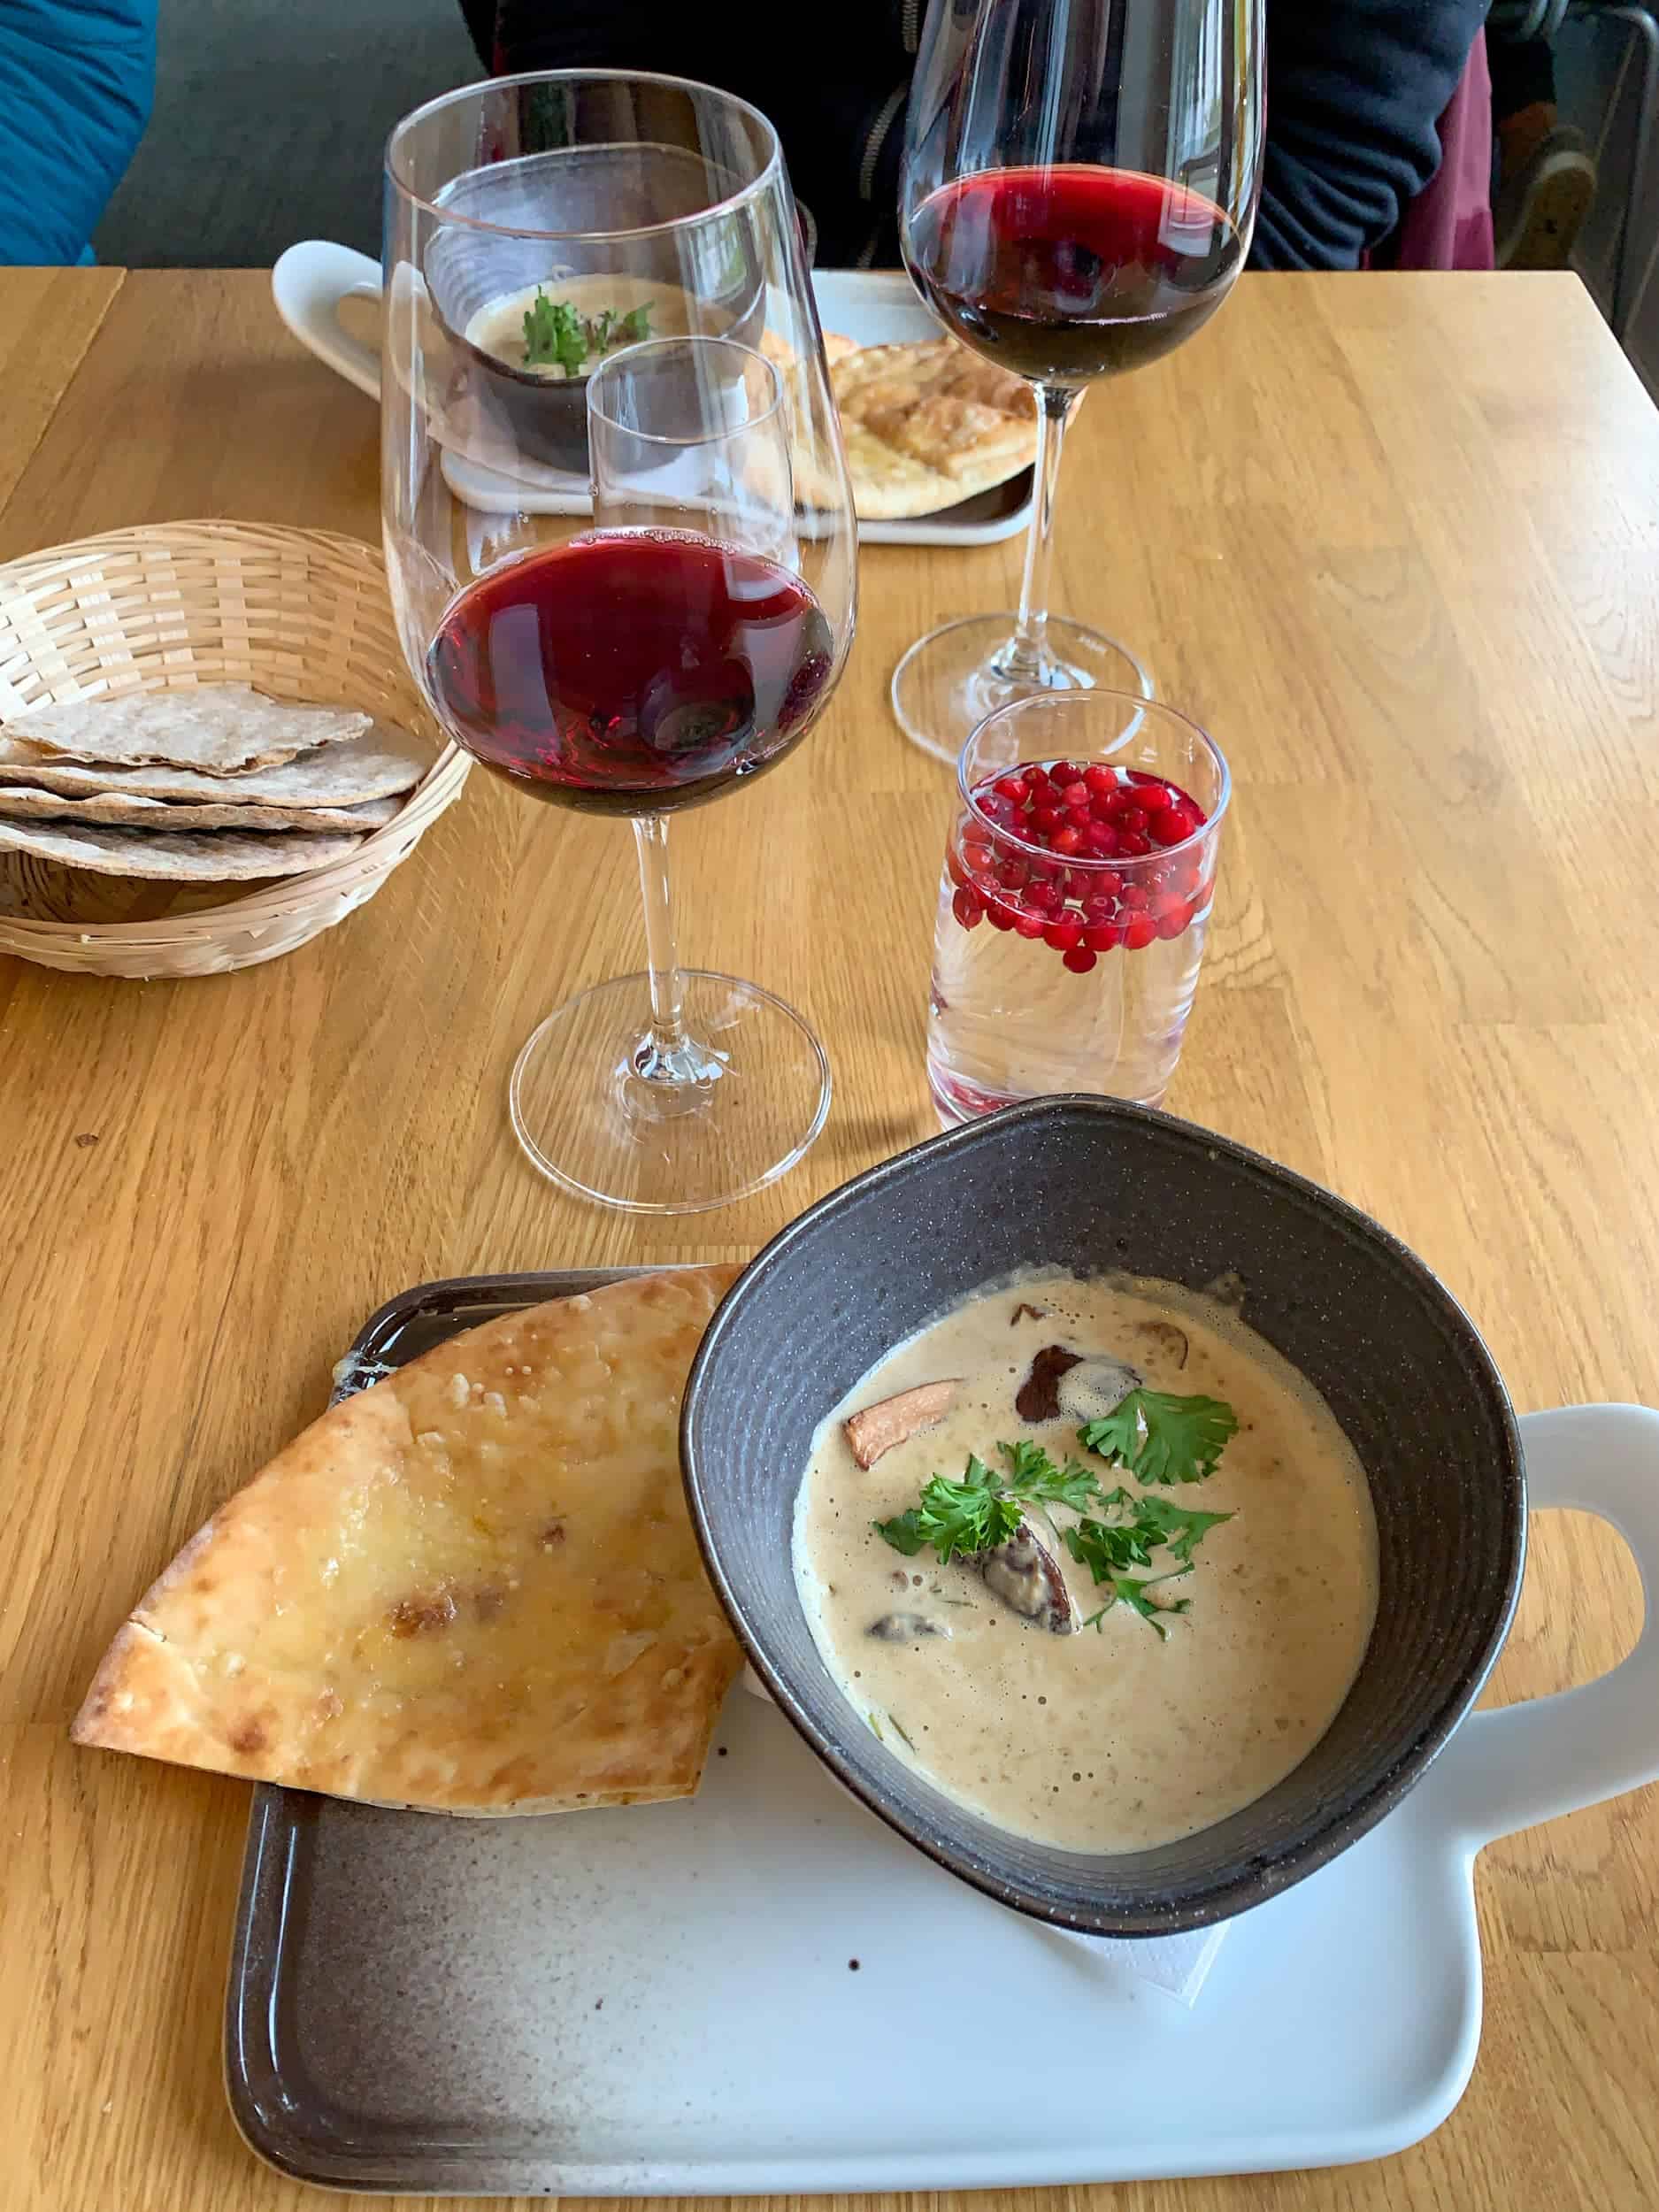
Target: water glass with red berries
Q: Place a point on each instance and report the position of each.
(1076, 894)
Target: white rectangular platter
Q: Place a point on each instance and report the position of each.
(761, 1990)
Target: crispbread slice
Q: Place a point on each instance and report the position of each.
(380, 764)
(181, 855)
(23, 802)
(221, 728)
(470, 1588)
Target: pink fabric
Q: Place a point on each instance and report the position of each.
(1448, 226)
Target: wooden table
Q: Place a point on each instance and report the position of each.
(1395, 539)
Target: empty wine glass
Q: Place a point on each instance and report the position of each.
(603, 273)
(1079, 185)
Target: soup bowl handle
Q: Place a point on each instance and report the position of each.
(308, 285)
(1531, 1762)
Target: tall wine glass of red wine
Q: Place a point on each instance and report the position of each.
(621, 547)
(1079, 185)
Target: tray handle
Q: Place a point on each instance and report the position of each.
(1548, 1756)
(308, 284)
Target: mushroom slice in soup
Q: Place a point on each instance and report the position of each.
(1083, 1385)
(878, 1428)
(1164, 1336)
(906, 1628)
(1026, 1576)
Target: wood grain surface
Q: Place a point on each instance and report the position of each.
(1395, 539)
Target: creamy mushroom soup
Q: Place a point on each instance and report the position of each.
(604, 312)
(1140, 1589)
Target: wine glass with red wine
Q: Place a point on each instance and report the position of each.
(621, 546)
(1079, 185)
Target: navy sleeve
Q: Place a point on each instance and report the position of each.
(76, 82)
(1354, 88)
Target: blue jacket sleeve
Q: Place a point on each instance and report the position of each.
(1354, 88)
(76, 82)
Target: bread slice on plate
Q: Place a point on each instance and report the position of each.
(470, 1588)
(929, 425)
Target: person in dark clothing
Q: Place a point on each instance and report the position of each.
(1355, 89)
(840, 116)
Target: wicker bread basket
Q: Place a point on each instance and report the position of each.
(301, 615)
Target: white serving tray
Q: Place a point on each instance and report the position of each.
(875, 307)
(662, 2001)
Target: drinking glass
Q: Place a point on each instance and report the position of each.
(1078, 190)
(1079, 877)
(621, 547)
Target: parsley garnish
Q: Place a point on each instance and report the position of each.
(1033, 1476)
(555, 336)
(976, 1514)
(1131, 1590)
(983, 1509)
(1159, 1437)
(1181, 1530)
(1104, 1547)
(1162, 1438)
(1137, 1526)
(608, 328)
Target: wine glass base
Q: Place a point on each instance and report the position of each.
(949, 682)
(589, 1121)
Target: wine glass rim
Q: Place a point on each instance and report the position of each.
(403, 131)
(596, 383)
(1141, 706)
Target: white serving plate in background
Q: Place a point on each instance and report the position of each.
(663, 2001)
(873, 307)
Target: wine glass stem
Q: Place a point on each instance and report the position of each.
(1025, 656)
(677, 1070)
(666, 1042)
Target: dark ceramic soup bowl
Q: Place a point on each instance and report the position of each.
(1092, 1185)
(649, 214)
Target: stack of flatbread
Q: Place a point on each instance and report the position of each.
(926, 425)
(210, 784)
(470, 1588)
